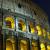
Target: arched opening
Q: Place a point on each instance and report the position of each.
(9, 22)
(39, 30)
(23, 45)
(48, 47)
(31, 27)
(48, 34)
(42, 46)
(34, 45)
(44, 32)
(9, 45)
(21, 25)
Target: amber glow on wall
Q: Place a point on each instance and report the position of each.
(23, 45)
(39, 30)
(48, 35)
(42, 46)
(32, 27)
(48, 47)
(34, 46)
(9, 45)
(44, 32)
(9, 18)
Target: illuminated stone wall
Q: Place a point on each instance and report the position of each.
(27, 8)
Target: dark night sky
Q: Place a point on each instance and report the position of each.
(45, 5)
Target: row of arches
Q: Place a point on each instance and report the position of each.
(24, 45)
(17, 42)
(9, 22)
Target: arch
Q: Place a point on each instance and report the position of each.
(22, 25)
(42, 46)
(48, 33)
(34, 45)
(39, 30)
(23, 45)
(9, 45)
(44, 32)
(31, 27)
(48, 47)
(10, 19)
